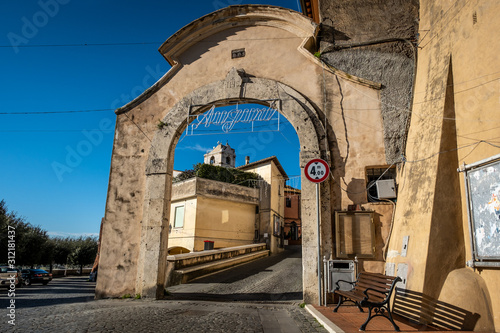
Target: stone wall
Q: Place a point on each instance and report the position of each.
(376, 40)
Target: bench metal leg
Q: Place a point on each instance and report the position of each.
(396, 327)
(341, 300)
(363, 327)
(379, 312)
(359, 307)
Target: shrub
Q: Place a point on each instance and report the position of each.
(221, 174)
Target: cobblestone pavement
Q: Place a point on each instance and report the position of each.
(276, 278)
(67, 305)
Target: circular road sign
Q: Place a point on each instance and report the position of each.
(317, 170)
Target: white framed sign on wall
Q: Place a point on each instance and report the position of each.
(482, 186)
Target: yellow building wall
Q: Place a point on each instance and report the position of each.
(183, 236)
(277, 204)
(224, 222)
(454, 121)
(272, 200)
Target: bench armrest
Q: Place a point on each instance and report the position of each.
(378, 292)
(387, 294)
(338, 286)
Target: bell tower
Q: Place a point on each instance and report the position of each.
(221, 155)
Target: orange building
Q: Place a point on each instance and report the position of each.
(293, 224)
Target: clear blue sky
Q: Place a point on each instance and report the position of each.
(41, 176)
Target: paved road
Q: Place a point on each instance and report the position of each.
(67, 305)
(276, 278)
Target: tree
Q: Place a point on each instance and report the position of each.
(34, 247)
(30, 248)
(84, 252)
(62, 248)
(29, 240)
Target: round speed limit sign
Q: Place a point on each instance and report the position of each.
(317, 170)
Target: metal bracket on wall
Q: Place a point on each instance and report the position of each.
(405, 246)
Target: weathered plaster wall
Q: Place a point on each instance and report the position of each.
(138, 207)
(224, 222)
(456, 106)
(373, 40)
(355, 21)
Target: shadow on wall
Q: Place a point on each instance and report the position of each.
(426, 311)
(356, 191)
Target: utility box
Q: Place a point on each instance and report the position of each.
(340, 270)
(386, 189)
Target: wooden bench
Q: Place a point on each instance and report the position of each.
(370, 290)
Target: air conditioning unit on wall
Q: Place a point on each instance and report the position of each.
(386, 189)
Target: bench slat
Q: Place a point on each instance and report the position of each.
(363, 286)
(379, 278)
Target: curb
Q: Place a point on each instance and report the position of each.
(327, 324)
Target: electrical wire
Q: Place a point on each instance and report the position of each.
(425, 101)
(140, 129)
(333, 107)
(55, 130)
(55, 112)
(444, 25)
(148, 43)
(370, 185)
(404, 160)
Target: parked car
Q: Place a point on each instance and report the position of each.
(6, 274)
(36, 275)
(20, 278)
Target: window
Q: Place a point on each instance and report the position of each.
(374, 174)
(228, 160)
(288, 202)
(212, 160)
(355, 234)
(179, 217)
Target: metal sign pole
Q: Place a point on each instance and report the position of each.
(317, 171)
(319, 244)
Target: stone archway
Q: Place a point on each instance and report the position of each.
(334, 114)
(237, 86)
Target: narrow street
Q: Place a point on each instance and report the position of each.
(277, 278)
